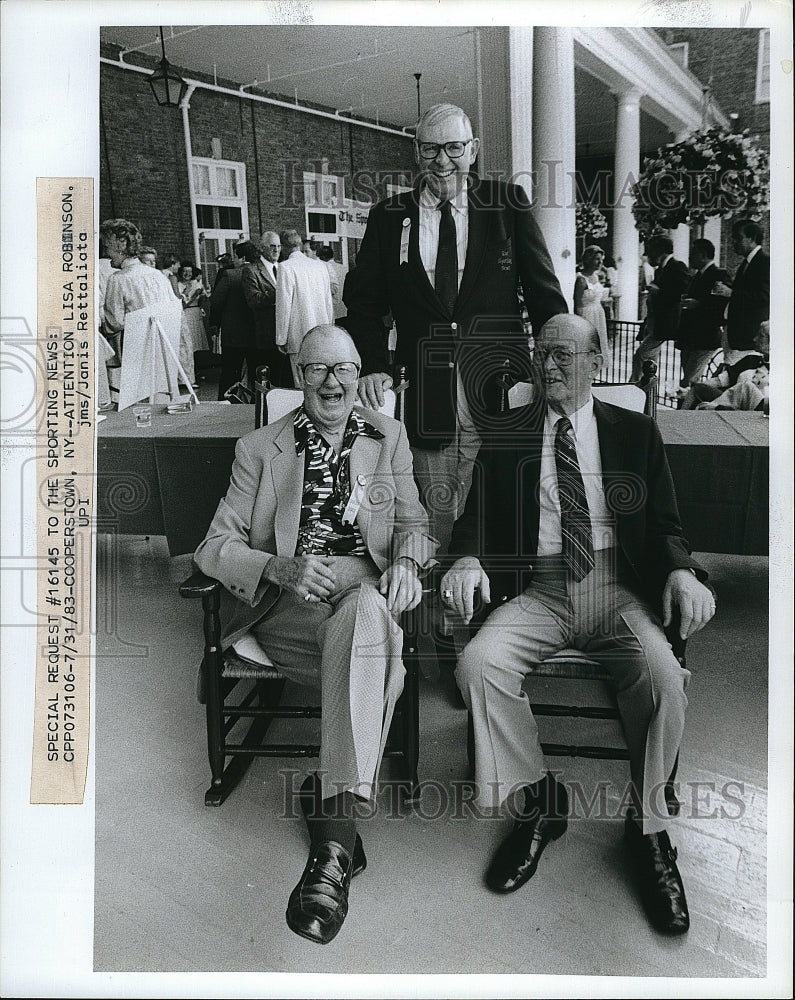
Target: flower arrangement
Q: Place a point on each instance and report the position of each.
(590, 222)
(710, 173)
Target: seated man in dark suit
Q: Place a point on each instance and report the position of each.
(321, 537)
(574, 518)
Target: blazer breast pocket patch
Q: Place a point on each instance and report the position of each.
(505, 258)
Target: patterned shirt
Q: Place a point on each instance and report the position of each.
(327, 489)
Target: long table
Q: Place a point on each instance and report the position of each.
(167, 479)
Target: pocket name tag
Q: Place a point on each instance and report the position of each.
(355, 501)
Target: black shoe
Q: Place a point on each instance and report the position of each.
(517, 857)
(660, 883)
(359, 858)
(318, 905)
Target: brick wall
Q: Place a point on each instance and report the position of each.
(143, 170)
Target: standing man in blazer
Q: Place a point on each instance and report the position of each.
(671, 278)
(749, 297)
(321, 538)
(230, 312)
(446, 260)
(701, 321)
(259, 287)
(571, 532)
(303, 297)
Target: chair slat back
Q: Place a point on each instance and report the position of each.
(626, 394)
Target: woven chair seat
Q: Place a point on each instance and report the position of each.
(571, 664)
(247, 659)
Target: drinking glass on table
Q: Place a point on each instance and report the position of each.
(143, 415)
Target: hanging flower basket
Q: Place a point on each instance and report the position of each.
(710, 173)
(591, 224)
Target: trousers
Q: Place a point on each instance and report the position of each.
(350, 647)
(602, 616)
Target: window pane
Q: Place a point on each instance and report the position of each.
(201, 179)
(229, 218)
(204, 217)
(226, 182)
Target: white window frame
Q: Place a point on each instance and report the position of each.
(762, 94)
(214, 199)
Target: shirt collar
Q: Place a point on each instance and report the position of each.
(459, 203)
(580, 419)
(753, 253)
(129, 262)
(306, 432)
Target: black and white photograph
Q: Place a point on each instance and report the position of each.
(435, 578)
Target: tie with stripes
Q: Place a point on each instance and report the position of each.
(575, 518)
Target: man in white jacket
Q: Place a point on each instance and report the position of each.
(303, 297)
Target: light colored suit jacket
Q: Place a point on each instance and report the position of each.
(303, 299)
(259, 516)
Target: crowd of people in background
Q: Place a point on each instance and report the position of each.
(250, 317)
(268, 293)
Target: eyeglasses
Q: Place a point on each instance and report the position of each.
(562, 356)
(345, 372)
(430, 150)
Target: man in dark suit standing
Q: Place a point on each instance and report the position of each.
(749, 297)
(701, 321)
(230, 312)
(571, 531)
(259, 288)
(446, 260)
(671, 278)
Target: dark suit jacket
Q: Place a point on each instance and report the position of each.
(505, 245)
(229, 310)
(700, 327)
(671, 280)
(260, 293)
(500, 522)
(750, 302)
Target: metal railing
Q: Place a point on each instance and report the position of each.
(621, 347)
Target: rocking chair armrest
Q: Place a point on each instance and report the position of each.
(199, 584)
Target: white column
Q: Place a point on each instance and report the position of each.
(626, 248)
(553, 147)
(680, 237)
(712, 232)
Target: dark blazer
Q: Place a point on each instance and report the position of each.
(229, 310)
(662, 320)
(260, 293)
(500, 522)
(700, 326)
(505, 245)
(750, 302)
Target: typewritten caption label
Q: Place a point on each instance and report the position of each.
(64, 474)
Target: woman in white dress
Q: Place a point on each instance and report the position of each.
(192, 336)
(589, 292)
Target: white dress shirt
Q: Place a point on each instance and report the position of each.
(586, 442)
(430, 218)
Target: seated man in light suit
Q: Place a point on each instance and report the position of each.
(574, 517)
(322, 537)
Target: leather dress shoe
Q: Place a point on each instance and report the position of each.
(517, 857)
(359, 857)
(318, 905)
(661, 889)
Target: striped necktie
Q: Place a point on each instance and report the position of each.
(575, 518)
(445, 279)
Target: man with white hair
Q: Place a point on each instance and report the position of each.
(447, 260)
(303, 297)
(321, 538)
(572, 534)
